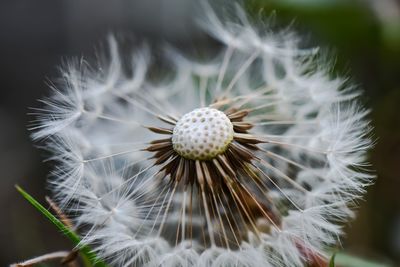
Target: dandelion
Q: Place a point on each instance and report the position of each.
(252, 158)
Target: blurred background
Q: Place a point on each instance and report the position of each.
(37, 36)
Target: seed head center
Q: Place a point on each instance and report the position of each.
(202, 134)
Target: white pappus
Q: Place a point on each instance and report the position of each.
(253, 158)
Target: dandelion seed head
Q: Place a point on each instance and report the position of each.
(253, 158)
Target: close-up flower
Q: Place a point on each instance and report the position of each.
(252, 156)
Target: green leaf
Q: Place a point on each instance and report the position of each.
(87, 254)
(332, 261)
(346, 260)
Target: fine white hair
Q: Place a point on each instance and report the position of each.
(313, 158)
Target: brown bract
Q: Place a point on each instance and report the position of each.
(221, 182)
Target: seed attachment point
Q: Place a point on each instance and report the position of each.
(202, 134)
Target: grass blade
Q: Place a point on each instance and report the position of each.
(87, 254)
(332, 261)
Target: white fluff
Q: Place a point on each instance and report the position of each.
(93, 125)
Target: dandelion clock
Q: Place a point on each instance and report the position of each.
(252, 158)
